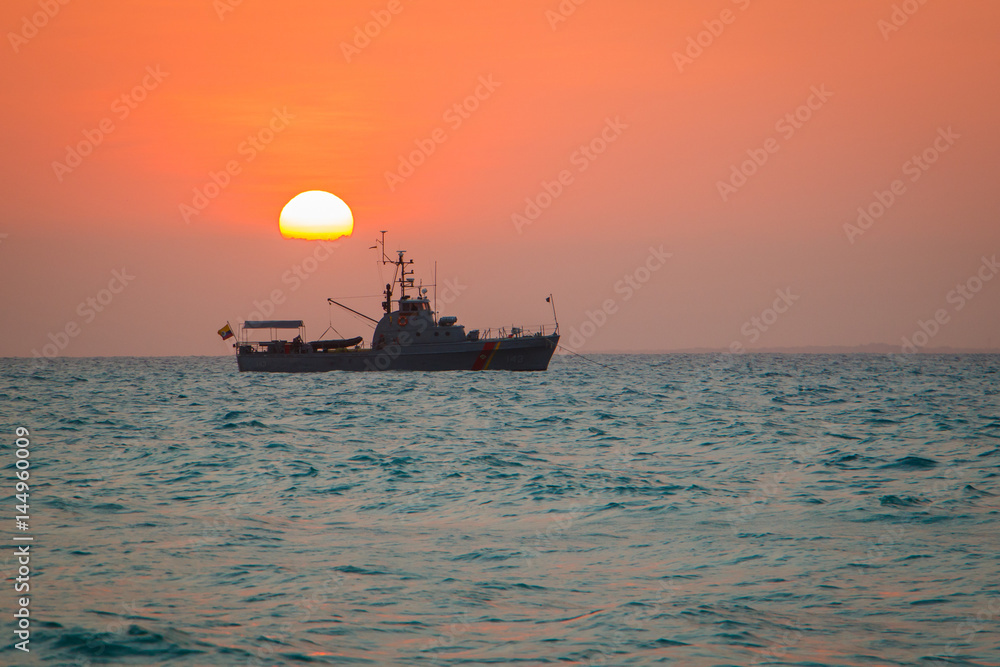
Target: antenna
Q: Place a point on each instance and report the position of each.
(400, 275)
(380, 243)
(552, 300)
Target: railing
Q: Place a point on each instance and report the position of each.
(272, 346)
(292, 347)
(519, 332)
(285, 347)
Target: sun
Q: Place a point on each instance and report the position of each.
(316, 215)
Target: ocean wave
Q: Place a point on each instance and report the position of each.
(785, 509)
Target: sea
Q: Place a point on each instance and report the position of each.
(616, 510)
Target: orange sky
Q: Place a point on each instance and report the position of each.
(200, 79)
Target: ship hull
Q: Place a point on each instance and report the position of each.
(527, 353)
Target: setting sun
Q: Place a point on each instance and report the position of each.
(316, 215)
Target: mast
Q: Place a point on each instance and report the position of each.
(404, 281)
(400, 274)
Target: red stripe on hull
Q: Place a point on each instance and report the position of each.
(484, 356)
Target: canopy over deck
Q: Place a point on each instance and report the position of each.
(273, 324)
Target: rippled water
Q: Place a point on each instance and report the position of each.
(690, 510)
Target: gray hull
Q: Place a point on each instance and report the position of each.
(527, 353)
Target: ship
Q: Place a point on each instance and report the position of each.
(410, 336)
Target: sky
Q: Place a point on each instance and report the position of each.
(721, 174)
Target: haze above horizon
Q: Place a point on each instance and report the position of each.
(736, 175)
